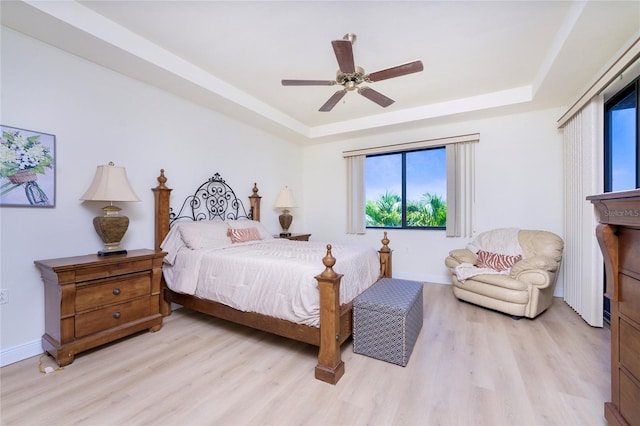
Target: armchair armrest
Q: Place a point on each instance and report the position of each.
(463, 256)
(536, 270)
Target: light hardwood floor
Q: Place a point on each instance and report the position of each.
(470, 366)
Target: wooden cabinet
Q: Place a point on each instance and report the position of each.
(92, 300)
(296, 237)
(619, 237)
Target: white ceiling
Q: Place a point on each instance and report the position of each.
(231, 55)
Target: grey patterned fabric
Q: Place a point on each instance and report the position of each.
(387, 319)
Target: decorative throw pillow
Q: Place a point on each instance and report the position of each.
(243, 235)
(247, 223)
(496, 261)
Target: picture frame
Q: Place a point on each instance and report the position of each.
(27, 168)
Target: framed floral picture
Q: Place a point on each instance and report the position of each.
(27, 168)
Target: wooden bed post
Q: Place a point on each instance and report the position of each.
(385, 258)
(330, 367)
(254, 200)
(161, 195)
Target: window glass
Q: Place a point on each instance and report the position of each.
(426, 186)
(621, 141)
(383, 190)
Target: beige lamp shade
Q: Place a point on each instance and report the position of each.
(285, 201)
(110, 184)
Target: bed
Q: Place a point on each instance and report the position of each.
(191, 236)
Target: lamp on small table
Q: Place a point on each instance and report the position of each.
(285, 201)
(110, 184)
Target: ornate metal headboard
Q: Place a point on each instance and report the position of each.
(214, 199)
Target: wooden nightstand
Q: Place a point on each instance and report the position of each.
(92, 300)
(296, 237)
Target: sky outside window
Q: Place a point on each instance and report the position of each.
(623, 144)
(426, 173)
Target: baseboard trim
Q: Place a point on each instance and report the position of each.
(20, 352)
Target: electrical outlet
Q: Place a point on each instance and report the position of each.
(4, 296)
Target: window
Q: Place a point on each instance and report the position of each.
(621, 147)
(435, 178)
(407, 189)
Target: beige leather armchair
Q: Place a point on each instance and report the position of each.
(524, 290)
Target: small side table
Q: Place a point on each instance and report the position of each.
(92, 300)
(296, 237)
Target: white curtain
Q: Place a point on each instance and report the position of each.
(460, 189)
(356, 195)
(460, 182)
(582, 261)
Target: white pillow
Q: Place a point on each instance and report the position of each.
(204, 234)
(246, 223)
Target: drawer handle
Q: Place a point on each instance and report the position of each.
(116, 291)
(116, 315)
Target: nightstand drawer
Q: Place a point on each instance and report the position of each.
(629, 297)
(630, 257)
(107, 292)
(629, 351)
(629, 398)
(112, 269)
(112, 316)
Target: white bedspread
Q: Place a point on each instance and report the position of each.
(274, 277)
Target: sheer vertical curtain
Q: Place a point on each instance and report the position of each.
(460, 182)
(583, 160)
(460, 189)
(355, 195)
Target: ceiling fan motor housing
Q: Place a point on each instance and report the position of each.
(350, 80)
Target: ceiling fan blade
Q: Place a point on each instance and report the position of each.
(308, 82)
(344, 54)
(333, 100)
(375, 96)
(404, 69)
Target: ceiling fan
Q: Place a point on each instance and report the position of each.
(351, 76)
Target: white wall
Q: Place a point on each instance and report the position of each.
(100, 116)
(519, 175)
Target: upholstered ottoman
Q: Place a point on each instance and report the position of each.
(387, 319)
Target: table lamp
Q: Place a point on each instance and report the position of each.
(285, 201)
(110, 184)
